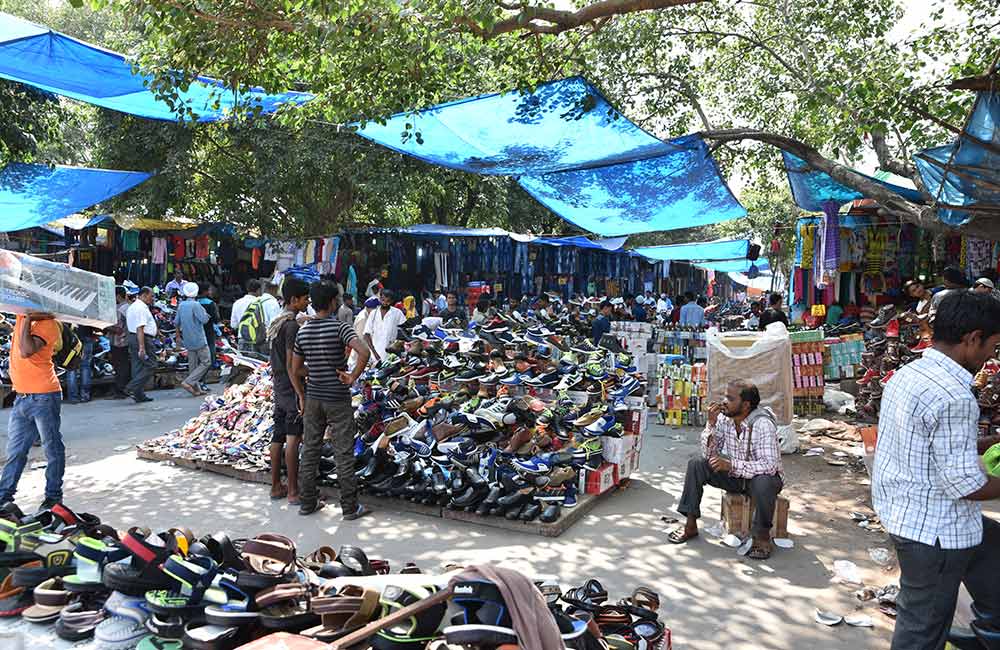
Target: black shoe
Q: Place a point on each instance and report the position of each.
(140, 400)
(514, 513)
(551, 512)
(531, 511)
(308, 509)
(48, 504)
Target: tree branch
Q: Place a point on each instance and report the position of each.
(887, 161)
(923, 216)
(545, 20)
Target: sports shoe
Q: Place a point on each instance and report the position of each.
(544, 380)
(475, 373)
(590, 416)
(600, 426)
(570, 499)
(892, 329)
(596, 370)
(921, 346)
(624, 362)
(628, 386)
(442, 335)
(885, 314)
(515, 379)
(584, 347)
(569, 381)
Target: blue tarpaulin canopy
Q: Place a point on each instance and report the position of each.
(34, 55)
(575, 153)
(720, 249)
(611, 244)
(966, 173)
(31, 195)
(733, 266)
(811, 188)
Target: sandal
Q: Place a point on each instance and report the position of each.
(349, 609)
(355, 559)
(644, 603)
(159, 643)
(286, 607)
(126, 625)
(78, 619)
(14, 600)
(205, 636)
(50, 598)
(236, 611)
(145, 572)
(195, 577)
(92, 556)
(758, 552)
(269, 554)
(680, 536)
(588, 598)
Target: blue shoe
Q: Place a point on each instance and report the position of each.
(570, 500)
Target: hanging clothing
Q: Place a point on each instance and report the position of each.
(130, 241)
(352, 282)
(201, 247)
(159, 250)
(255, 257)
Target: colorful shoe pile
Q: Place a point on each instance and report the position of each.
(891, 342)
(231, 429)
(173, 590)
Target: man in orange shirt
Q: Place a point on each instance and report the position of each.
(36, 408)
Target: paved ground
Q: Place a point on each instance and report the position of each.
(712, 598)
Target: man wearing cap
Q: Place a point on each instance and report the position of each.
(663, 305)
(985, 285)
(190, 322)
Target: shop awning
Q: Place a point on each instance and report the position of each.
(964, 177)
(720, 249)
(31, 195)
(35, 55)
(437, 230)
(811, 188)
(572, 151)
(733, 266)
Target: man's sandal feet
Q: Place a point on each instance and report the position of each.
(680, 536)
(189, 388)
(306, 510)
(759, 552)
(280, 494)
(294, 500)
(357, 514)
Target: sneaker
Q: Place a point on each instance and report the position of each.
(628, 386)
(596, 371)
(584, 347)
(569, 381)
(600, 426)
(624, 362)
(473, 374)
(48, 504)
(441, 335)
(544, 380)
(495, 326)
(507, 338)
(885, 314)
(920, 347)
(515, 379)
(570, 499)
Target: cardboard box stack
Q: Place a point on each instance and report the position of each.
(807, 372)
(621, 455)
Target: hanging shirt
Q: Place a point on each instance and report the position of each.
(201, 247)
(384, 328)
(159, 250)
(179, 250)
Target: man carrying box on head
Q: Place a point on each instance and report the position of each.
(742, 456)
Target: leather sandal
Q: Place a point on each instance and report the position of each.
(144, 573)
(349, 609)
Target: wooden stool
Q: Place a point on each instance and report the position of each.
(737, 514)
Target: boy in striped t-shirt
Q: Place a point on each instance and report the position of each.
(320, 356)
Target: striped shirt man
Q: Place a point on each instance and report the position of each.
(323, 343)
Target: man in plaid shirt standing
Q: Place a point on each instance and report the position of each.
(740, 454)
(928, 480)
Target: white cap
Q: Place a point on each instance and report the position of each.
(191, 289)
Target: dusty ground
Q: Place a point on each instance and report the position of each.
(712, 599)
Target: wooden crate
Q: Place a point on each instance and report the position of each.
(737, 513)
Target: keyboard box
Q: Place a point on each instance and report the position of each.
(30, 285)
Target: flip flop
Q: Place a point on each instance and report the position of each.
(678, 536)
(281, 494)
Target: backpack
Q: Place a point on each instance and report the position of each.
(67, 351)
(253, 328)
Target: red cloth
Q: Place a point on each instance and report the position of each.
(201, 246)
(179, 251)
(255, 258)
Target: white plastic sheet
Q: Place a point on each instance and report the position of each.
(766, 362)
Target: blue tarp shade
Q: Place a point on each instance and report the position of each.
(811, 188)
(573, 152)
(437, 230)
(34, 55)
(31, 195)
(612, 244)
(722, 249)
(733, 266)
(966, 173)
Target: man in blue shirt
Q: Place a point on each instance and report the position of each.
(601, 324)
(190, 322)
(692, 313)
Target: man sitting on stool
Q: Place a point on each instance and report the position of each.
(741, 455)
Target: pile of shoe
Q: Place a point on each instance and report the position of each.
(489, 420)
(891, 342)
(232, 429)
(173, 590)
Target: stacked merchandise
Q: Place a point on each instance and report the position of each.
(635, 337)
(986, 386)
(841, 355)
(508, 419)
(171, 590)
(683, 389)
(688, 342)
(890, 342)
(232, 429)
(807, 370)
